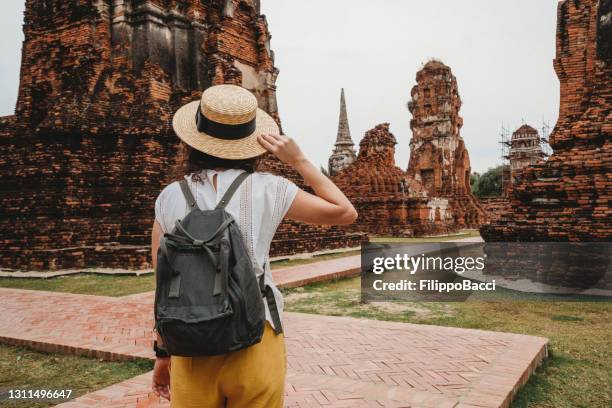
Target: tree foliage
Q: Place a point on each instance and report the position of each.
(489, 184)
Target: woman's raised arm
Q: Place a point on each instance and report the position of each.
(329, 206)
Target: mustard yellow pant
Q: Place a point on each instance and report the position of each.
(251, 378)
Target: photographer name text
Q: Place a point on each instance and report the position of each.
(424, 264)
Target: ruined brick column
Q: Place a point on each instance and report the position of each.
(439, 160)
(91, 144)
(568, 197)
(380, 190)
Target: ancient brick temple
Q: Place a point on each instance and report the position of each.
(90, 144)
(568, 197)
(495, 207)
(525, 150)
(434, 196)
(380, 191)
(344, 148)
(439, 160)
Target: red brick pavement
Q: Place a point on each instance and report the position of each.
(298, 275)
(301, 275)
(333, 361)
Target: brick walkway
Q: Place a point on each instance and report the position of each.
(300, 275)
(295, 276)
(333, 361)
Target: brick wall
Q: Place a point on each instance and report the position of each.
(495, 206)
(90, 145)
(567, 198)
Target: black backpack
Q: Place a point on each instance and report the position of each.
(208, 300)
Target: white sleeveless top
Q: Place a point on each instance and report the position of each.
(258, 206)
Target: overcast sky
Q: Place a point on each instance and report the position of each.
(500, 51)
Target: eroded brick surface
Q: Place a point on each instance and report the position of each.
(333, 361)
(379, 190)
(90, 145)
(439, 160)
(495, 206)
(567, 198)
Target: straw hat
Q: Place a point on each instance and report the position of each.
(225, 123)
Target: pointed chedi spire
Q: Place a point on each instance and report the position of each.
(344, 151)
(344, 132)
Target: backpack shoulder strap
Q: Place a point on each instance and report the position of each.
(188, 195)
(268, 294)
(231, 190)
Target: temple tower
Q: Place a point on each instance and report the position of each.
(91, 144)
(439, 160)
(525, 150)
(111, 66)
(344, 151)
(435, 128)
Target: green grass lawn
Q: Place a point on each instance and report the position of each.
(86, 284)
(317, 258)
(25, 369)
(577, 374)
(123, 285)
(441, 238)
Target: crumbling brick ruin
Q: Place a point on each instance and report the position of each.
(120, 67)
(495, 207)
(439, 160)
(344, 148)
(90, 144)
(434, 196)
(379, 189)
(525, 150)
(567, 198)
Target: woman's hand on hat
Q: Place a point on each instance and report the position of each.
(283, 147)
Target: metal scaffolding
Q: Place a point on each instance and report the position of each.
(505, 151)
(544, 139)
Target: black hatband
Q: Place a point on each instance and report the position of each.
(223, 131)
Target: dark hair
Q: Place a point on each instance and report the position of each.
(190, 160)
